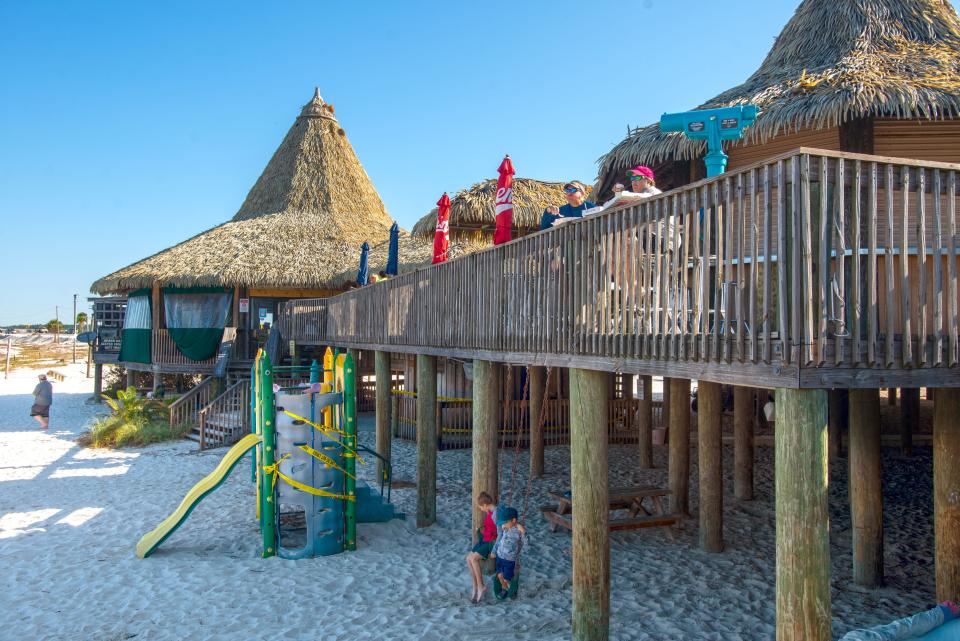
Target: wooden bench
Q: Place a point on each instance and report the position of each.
(57, 376)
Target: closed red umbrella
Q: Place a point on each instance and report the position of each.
(504, 202)
(441, 239)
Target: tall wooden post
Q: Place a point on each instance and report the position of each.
(891, 396)
(837, 413)
(710, 450)
(536, 385)
(395, 415)
(382, 367)
(665, 405)
(909, 417)
(946, 491)
(743, 414)
(645, 424)
(157, 381)
(803, 521)
(98, 382)
(866, 498)
(679, 466)
(589, 406)
(486, 418)
(426, 440)
(131, 378)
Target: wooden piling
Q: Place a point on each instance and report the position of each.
(98, 382)
(803, 533)
(743, 415)
(909, 417)
(645, 424)
(536, 391)
(946, 491)
(486, 418)
(131, 378)
(837, 413)
(382, 372)
(588, 474)
(866, 500)
(710, 451)
(679, 449)
(426, 440)
(891, 396)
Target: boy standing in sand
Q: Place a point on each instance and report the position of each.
(513, 537)
(486, 536)
(42, 400)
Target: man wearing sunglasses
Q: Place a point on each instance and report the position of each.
(576, 204)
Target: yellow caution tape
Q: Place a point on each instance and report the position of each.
(275, 471)
(326, 430)
(323, 428)
(326, 460)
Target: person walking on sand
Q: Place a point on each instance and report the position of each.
(42, 400)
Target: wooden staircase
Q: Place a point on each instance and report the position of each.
(226, 419)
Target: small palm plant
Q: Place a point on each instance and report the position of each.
(133, 421)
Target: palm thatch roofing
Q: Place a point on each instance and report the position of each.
(472, 212)
(300, 226)
(834, 61)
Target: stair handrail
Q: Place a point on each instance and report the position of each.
(190, 396)
(387, 476)
(216, 404)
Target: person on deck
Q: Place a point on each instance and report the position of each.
(513, 537)
(641, 182)
(576, 203)
(486, 537)
(42, 400)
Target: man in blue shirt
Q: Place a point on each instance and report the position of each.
(576, 204)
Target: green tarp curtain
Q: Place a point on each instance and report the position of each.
(135, 338)
(195, 319)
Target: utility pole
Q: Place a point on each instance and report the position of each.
(74, 328)
(6, 371)
(56, 324)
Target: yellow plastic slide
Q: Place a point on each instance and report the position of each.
(152, 540)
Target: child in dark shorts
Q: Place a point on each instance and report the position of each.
(486, 537)
(513, 537)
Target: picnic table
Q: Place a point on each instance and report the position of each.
(644, 507)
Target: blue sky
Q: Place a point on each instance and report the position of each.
(127, 127)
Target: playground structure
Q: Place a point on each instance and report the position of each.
(304, 443)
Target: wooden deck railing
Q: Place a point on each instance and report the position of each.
(186, 409)
(163, 351)
(812, 269)
(227, 418)
(456, 421)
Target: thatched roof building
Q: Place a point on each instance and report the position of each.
(472, 216)
(300, 226)
(840, 75)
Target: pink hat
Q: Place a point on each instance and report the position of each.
(641, 170)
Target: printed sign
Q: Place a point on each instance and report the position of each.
(263, 314)
(729, 123)
(696, 126)
(244, 305)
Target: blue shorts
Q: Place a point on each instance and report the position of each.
(506, 568)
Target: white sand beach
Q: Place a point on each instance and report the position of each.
(69, 520)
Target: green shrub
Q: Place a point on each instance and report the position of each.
(135, 422)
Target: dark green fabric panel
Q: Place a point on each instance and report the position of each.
(197, 344)
(140, 292)
(135, 346)
(197, 290)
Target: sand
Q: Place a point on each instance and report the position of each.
(69, 520)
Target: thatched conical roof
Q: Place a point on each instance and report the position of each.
(472, 212)
(834, 61)
(300, 226)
